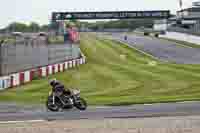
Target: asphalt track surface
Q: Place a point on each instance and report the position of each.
(163, 50)
(12, 112)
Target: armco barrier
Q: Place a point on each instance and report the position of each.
(20, 78)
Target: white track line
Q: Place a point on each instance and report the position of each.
(14, 122)
(148, 104)
(145, 53)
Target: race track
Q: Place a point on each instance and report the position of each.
(14, 112)
(162, 49)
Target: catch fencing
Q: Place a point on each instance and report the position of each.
(24, 55)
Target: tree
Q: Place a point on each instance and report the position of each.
(21, 27)
(17, 27)
(34, 27)
(44, 28)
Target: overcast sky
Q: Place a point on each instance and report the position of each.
(40, 10)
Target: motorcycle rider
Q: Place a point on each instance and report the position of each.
(59, 88)
(60, 99)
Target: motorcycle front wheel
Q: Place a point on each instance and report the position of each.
(55, 107)
(81, 104)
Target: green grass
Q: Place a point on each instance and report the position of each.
(117, 75)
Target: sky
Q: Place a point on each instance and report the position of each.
(39, 11)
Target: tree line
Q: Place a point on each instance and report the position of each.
(112, 24)
(22, 27)
(120, 24)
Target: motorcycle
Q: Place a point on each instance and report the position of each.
(57, 103)
(125, 37)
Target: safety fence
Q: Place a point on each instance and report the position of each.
(25, 54)
(20, 78)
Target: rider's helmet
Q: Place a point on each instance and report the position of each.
(52, 82)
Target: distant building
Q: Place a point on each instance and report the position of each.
(160, 25)
(189, 13)
(196, 4)
(190, 17)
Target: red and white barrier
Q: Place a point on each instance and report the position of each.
(27, 77)
(44, 71)
(70, 64)
(62, 67)
(66, 65)
(16, 79)
(50, 70)
(55, 68)
(5, 82)
(21, 78)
